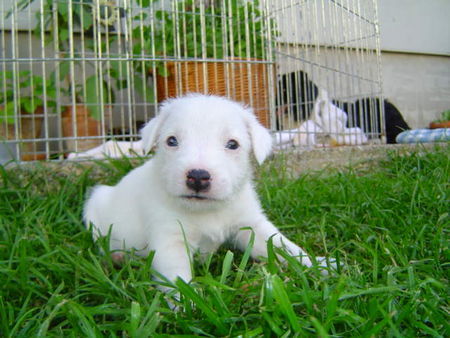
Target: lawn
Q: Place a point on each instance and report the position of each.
(387, 225)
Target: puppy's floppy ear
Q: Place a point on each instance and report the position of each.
(149, 133)
(260, 137)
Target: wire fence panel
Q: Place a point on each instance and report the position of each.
(77, 73)
(329, 84)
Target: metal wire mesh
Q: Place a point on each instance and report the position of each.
(76, 73)
(329, 84)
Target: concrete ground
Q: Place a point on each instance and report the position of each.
(362, 158)
(292, 162)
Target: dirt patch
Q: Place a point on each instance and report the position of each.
(293, 162)
(361, 158)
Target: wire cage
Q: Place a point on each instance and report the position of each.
(77, 73)
(329, 89)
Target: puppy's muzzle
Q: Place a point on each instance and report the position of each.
(198, 180)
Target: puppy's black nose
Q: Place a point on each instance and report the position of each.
(198, 180)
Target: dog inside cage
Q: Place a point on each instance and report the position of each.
(80, 74)
(297, 97)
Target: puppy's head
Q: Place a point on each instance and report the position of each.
(203, 145)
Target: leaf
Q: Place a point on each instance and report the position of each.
(272, 324)
(28, 104)
(268, 291)
(245, 257)
(162, 70)
(226, 266)
(7, 95)
(81, 318)
(25, 81)
(63, 34)
(135, 314)
(43, 328)
(94, 100)
(87, 18)
(82, 14)
(371, 291)
(140, 17)
(332, 302)
(282, 298)
(150, 321)
(7, 74)
(51, 92)
(63, 9)
(321, 332)
(144, 3)
(9, 108)
(9, 113)
(160, 15)
(146, 93)
(191, 294)
(64, 69)
(118, 69)
(271, 257)
(122, 84)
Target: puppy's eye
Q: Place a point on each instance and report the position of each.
(172, 141)
(232, 144)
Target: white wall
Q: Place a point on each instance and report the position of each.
(419, 85)
(416, 26)
(415, 43)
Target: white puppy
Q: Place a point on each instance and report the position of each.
(111, 149)
(333, 121)
(196, 191)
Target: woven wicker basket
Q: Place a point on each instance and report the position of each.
(241, 81)
(29, 127)
(77, 122)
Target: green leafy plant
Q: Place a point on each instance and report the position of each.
(23, 93)
(95, 91)
(445, 116)
(216, 29)
(84, 18)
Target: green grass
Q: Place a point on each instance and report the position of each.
(388, 226)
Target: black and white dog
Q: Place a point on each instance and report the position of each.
(297, 94)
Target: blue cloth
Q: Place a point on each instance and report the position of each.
(424, 135)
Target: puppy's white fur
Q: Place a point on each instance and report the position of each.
(153, 208)
(333, 121)
(111, 149)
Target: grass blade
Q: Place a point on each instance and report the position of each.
(245, 257)
(226, 266)
(187, 290)
(283, 301)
